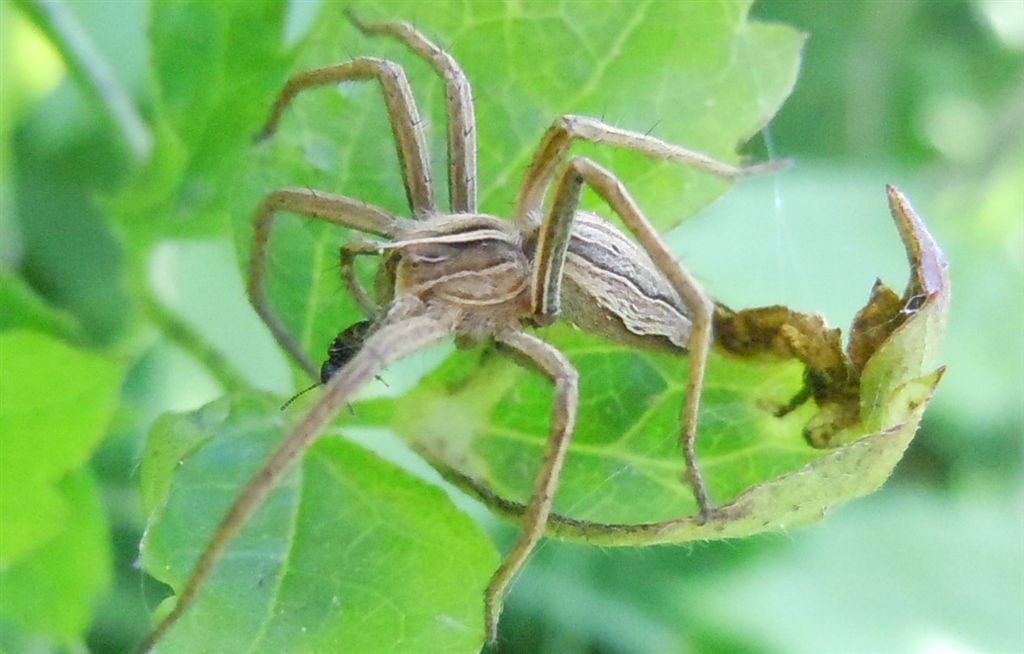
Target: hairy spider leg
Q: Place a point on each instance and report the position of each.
(554, 365)
(554, 148)
(401, 105)
(554, 237)
(555, 234)
(347, 255)
(388, 344)
(335, 209)
(462, 169)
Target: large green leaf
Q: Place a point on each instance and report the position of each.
(55, 404)
(52, 592)
(483, 422)
(348, 554)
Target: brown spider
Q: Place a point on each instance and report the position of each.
(480, 278)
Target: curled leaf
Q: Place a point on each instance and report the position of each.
(791, 424)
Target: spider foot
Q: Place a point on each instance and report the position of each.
(706, 514)
(705, 509)
(492, 613)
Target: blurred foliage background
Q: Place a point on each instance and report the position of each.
(925, 95)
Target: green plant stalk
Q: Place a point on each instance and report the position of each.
(92, 73)
(90, 70)
(184, 336)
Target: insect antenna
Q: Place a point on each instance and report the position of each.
(296, 396)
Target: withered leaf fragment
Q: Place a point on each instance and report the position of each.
(833, 376)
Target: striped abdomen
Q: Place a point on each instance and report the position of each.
(612, 288)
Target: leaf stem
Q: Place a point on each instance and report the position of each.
(91, 70)
(184, 336)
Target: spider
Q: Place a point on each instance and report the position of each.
(482, 278)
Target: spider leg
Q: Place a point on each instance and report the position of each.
(335, 209)
(553, 242)
(458, 105)
(555, 366)
(555, 144)
(405, 119)
(349, 251)
(388, 344)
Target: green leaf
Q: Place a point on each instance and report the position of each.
(624, 465)
(348, 554)
(216, 66)
(55, 588)
(21, 307)
(172, 438)
(57, 402)
(483, 422)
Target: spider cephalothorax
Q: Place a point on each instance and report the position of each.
(481, 277)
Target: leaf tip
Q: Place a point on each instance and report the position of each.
(930, 270)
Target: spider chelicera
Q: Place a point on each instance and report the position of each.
(482, 278)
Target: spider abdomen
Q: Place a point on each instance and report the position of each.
(611, 288)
